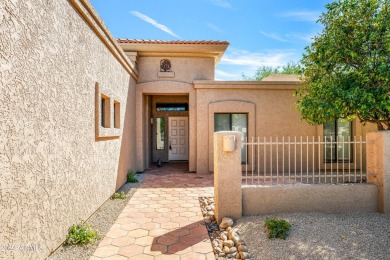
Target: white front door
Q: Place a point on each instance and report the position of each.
(178, 138)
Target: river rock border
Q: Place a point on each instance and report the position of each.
(225, 239)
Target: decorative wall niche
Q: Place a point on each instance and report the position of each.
(107, 114)
(117, 114)
(165, 69)
(105, 109)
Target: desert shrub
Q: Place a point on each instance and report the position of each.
(118, 195)
(130, 177)
(80, 234)
(277, 228)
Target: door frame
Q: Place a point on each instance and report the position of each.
(169, 137)
(144, 91)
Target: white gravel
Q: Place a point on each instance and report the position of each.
(320, 236)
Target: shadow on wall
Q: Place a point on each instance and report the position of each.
(127, 151)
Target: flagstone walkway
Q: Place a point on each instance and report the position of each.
(163, 219)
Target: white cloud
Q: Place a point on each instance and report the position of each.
(236, 62)
(311, 16)
(221, 3)
(255, 60)
(274, 36)
(301, 36)
(214, 27)
(223, 75)
(289, 37)
(154, 23)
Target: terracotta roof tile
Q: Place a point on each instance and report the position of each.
(171, 42)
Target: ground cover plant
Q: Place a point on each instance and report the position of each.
(81, 234)
(118, 195)
(130, 177)
(277, 228)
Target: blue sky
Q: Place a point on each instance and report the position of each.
(260, 32)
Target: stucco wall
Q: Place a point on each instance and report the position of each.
(227, 175)
(378, 166)
(53, 171)
(273, 114)
(186, 69)
(264, 200)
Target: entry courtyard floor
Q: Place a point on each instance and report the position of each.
(163, 219)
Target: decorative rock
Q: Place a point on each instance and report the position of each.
(224, 238)
(242, 248)
(232, 250)
(228, 243)
(239, 243)
(210, 213)
(213, 226)
(244, 255)
(226, 222)
(233, 236)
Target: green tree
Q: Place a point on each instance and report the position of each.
(265, 71)
(347, 67)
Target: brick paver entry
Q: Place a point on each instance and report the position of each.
(163, 219)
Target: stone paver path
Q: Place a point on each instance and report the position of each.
(162, 220)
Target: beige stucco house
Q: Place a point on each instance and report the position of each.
(78, 109)
(179, 108)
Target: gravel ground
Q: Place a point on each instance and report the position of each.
(102, 220)
(321, 236)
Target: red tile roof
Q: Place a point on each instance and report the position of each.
(172, 42)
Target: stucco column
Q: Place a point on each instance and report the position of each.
(378, 166)
(227, 175)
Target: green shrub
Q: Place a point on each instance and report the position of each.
(130, 177)
(119, 195)
(80, 234)
(277, 228)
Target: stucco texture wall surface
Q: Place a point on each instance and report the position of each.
(185, 69)
(263, 200)
(53, 171)
(270, 109)
(271, 114)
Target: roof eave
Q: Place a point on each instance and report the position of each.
(202, 49)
